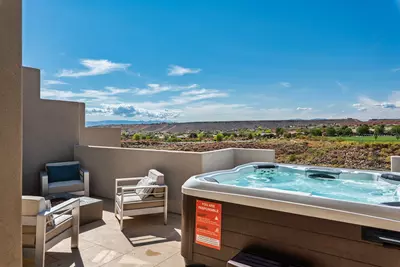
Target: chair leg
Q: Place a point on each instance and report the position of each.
(39, 256)
(165, 215)
(75, 227)
(166, 206)
(121, 218)
(40, 241)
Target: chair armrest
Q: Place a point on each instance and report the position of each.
(132, 187)
(44, 184)
(73, 202)
(129, 179)
(84, 174)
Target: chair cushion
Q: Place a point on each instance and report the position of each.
(63, 172)
(145, 192)
(29, 232)
(32, 205)
(66, 186)
(133, 201)
(158, 192)
(159, 178)
(156, 176)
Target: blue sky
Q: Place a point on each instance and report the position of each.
(205, 60)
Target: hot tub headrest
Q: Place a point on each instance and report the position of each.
(391, 176)
(265, 166)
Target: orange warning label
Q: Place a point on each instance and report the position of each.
(208, 224)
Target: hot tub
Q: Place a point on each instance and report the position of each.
(327, 216)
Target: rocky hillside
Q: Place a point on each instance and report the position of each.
(375, 156)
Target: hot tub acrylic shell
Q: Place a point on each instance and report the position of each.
(327, 231)
(380, 216)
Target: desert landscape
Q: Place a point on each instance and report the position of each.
(346, 143)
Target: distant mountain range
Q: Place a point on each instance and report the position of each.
(120, 122)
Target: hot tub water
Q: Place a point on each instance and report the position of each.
(356, 188)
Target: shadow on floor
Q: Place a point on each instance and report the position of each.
(73, 258)
(152, 235)
(91, 226)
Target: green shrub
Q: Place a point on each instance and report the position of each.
(279, 131)
(396, 131)
(250, 136)
(200, 136)
(173, 139)
(136, 137)
(316, 132)
(287, 135)
(330, 131)
(292, 158)
(219, 137)
(362, 130)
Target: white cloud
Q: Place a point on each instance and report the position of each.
(286, 84)
(154, 88)
(53, 82)
(227, 112)
(94, 67)
(199, 92)
(303, 109)
(392, 103)
(115, 90)
(375, 109)
(56, 94)
(175, 70)
(387, 105)
(130, 111)
(109, 95)
(196, 95)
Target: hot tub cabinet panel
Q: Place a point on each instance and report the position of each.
(321, 242)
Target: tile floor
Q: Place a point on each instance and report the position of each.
(145, 241)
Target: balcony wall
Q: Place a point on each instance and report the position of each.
(105, 164)
(51, 129)
(101, 137)
(395, 163)
(10, 132)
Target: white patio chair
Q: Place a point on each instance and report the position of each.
(43, 228)
(148, 195)
(75, 180)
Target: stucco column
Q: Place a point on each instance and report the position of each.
(395, 163)
(10, 132)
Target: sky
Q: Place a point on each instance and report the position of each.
(207, 60)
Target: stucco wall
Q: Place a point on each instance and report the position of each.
(395, 163)
(105, 164)
(51, 129)
(10, 133)
(218, 160)
(101, 137)
(243, 156)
